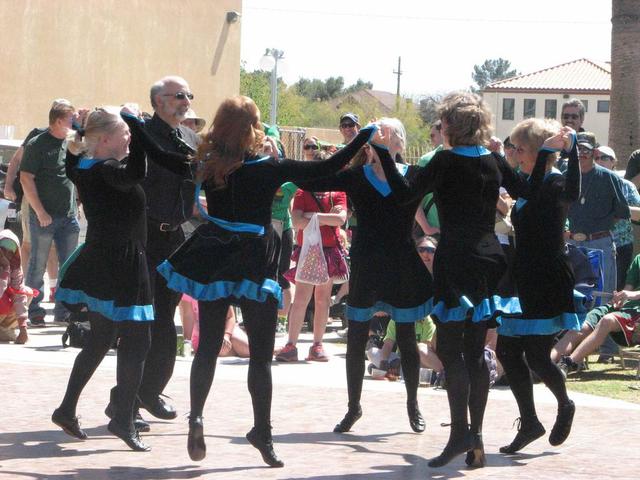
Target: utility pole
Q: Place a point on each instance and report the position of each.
(398, 73)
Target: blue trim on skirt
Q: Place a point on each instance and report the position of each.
(220, 288)
(515, 327)
(485, 310)
(106, 308)
(400, 315)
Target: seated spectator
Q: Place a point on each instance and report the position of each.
(386, 359)
(619, 318)
(235, 342)
(14, 295)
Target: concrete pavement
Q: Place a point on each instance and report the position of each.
(309, 398)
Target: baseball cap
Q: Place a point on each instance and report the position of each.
(587, 139)
(608, 151)
(350, 116)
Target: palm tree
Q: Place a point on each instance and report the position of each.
(624, 123)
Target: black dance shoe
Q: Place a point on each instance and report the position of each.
(527, 433)
(347, 422)
(140, 424)
(159, 408)
(562, 428)
(131, 438)
(195, 441)
(415, 418)
(70, 425)
(459, 443)
(475, 456)
(264, 444)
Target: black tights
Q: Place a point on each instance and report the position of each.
(133, 345)
(511, 352)
(461, 350)
(260, 322)
(356, 343)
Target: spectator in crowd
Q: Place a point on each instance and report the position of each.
(331, 209)
(13, 192)
(193, 122)
(235, 342)
(509, 151)
(14, 296)
(349, 126)
(622, 229)
(572, 116)
(428, 205)
(309, 148)
(633, 168)
(619, 319)
(170, 203)
(281, 221)
(51, 196)
(601, 203)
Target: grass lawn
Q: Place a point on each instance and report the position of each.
(607, 380)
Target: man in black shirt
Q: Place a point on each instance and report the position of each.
(170, 202)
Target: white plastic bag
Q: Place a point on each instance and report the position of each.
(312, 266)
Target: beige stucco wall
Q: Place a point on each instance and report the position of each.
(594, 121)
(111, 51)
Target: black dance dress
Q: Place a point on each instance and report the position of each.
(387, 273)
(108, 273)
(469, 261)
(543, 273)
(235, 253)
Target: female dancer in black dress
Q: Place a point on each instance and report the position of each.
(233, 258)
(469, 261)
(108, 273)
(544, 277)
(383, 249)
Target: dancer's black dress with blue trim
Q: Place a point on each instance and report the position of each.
(108, 273)
(469, 260)
(543, 273)
(235, 254)
(387, 273)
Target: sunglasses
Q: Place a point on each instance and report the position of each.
(180, 95)
(426, 250)
(310, 147)
(347, 125)
(585, 150)
(570, 116)
(605, 158)
(510, 146)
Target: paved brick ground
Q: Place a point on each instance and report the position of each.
(309, 399)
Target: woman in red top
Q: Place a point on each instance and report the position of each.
(331, 208)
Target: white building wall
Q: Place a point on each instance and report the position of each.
(594, 121)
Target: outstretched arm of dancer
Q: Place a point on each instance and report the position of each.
(177, 163)
(297, 171)
(341, 181)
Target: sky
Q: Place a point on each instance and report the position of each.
(439, 41)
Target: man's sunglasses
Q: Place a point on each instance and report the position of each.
(570, 116)
(426, 250)
(179, 95)
(347, 125)
(310, 147)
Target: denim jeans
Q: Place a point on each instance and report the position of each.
(63, 231)
(609, 269)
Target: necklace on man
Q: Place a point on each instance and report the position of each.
(583, 196)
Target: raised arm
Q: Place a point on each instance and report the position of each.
(571, 190)
(177, 163)
(405, 191)
(299, 172)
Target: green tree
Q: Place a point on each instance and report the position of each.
(491, 71)
(359, 85)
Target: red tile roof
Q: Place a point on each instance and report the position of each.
(579, 76)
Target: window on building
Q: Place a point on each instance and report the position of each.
(603, 106)
(529, 108)
(586, 105)
(550, 109)
(508, 108)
